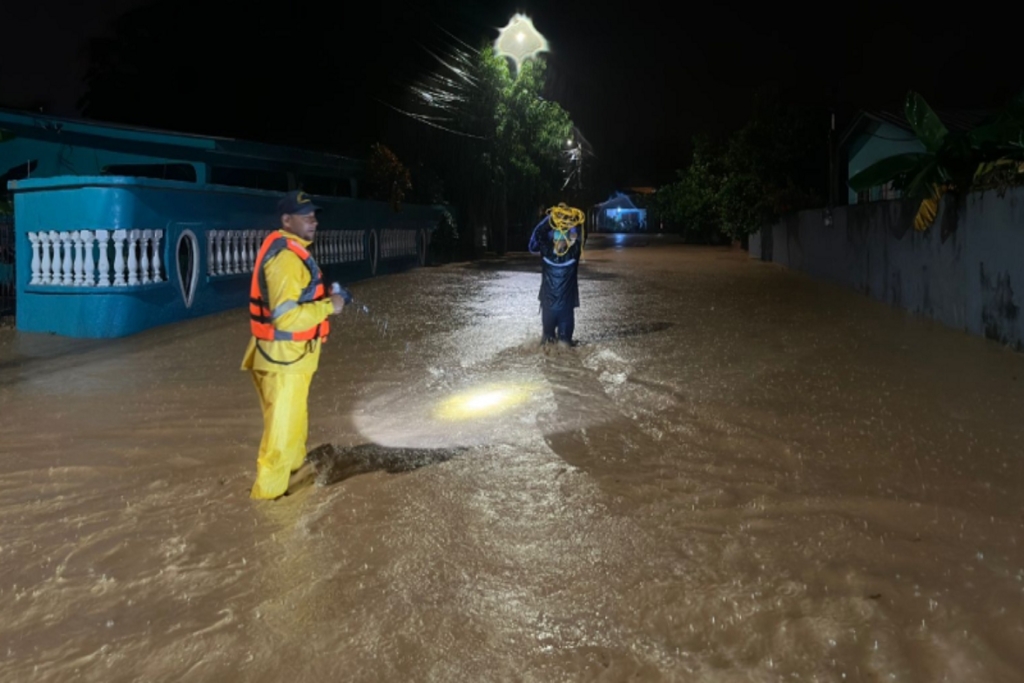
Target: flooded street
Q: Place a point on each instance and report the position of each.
(740, 474)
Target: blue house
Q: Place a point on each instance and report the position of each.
(619, 213)
(876, 134)
(118, 229)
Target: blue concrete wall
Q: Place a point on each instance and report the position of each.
(111, 203)
(962, 271)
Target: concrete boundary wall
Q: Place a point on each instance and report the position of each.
(966, 270)
(103, 257)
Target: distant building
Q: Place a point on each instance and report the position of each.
(874, 135)
(620, 213)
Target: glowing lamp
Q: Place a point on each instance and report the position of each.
(520, 40)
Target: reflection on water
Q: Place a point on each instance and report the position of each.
(739, 474)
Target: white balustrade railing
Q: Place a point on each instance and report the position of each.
(397, 243)
(82, 258)
(119, 258)
(338, 246)
(234, 252)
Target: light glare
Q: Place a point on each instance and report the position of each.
(520, 40)
(481, 402)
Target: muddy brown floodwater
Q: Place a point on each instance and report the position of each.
(741, 474)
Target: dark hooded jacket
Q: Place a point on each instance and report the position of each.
(559, 286)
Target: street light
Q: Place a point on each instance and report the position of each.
(520, 40)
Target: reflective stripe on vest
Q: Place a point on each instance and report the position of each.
(260, 316)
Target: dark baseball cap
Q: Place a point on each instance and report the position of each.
(296, 202)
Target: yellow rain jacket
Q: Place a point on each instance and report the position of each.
(283, 389)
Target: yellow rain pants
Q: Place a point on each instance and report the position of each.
(285, 426)
(283, 386)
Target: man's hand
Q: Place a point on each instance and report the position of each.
(341, 291)
(338, 302)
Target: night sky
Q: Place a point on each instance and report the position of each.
(638, 83)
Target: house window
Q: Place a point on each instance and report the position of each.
(888, 192)
(183, 172)
(864, 196)
(252, 178)
(19, 172)
(325, 186)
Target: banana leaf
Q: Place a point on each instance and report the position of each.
(1001, 172)
(926, 124)
(927, 178)
(1004, 135)
(958, 160)
(1015, 107)
(890, 168)
(1002, 129)
(1000, 138)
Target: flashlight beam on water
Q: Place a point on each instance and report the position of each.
(482, 402)
(496, 412)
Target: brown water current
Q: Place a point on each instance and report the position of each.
(740, 474)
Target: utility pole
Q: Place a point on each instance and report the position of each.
(831, 162)
(831, 170)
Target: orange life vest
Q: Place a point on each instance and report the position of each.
(260, 316)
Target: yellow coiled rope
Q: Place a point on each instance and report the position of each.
(563, 219)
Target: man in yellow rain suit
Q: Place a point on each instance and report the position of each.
(288, 310)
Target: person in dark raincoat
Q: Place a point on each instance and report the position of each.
(560, 251)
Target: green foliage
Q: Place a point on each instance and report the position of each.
(1000, 145)
(925, 123)
(531, 134)
(948, 157)
(1003, 137)
(775, 164)
(505, 158)
(991, 155)
(692, 201)
(444, 241)
(387, 178)
(6, 205)
(427, 186)
(743, 204)
(523, 132)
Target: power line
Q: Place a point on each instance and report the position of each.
(426, 121)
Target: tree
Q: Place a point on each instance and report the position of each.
(692, 201)
(387, 178)
(427, 186)
(445, 239)
(497, 142)
(773, 165)
(6, 205)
